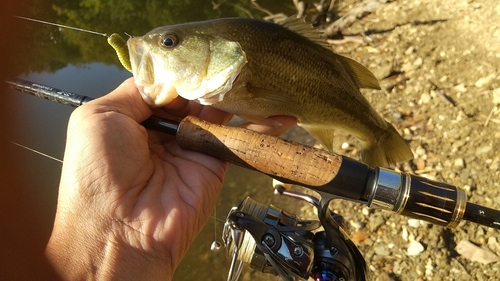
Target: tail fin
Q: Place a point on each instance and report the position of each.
(390, 149)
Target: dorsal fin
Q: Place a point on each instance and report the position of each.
(363, 76)
(300, 26)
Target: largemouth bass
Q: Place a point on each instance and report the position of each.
(256, 69)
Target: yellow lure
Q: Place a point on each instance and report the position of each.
(121, 49)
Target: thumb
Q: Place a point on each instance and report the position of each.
(105, 142)
(126, 99)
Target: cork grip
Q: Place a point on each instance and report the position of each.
(270, 155)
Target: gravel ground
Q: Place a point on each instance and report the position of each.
(439, 65)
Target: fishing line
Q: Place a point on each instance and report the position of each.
(116, 41)
(216, 245)
(214, 217)
(217, 219)
(215, 222)
(36, 151)
(64, 26)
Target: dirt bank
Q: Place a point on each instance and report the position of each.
(439, 65)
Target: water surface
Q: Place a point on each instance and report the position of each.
(84, 64)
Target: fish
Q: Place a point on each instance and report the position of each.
(256, 69)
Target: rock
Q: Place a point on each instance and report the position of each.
(493, 244)
(414, 223)
(479, 233)
(407, 67)
(410, 50)
(482, 150)
(345, 145)
(424, 98)
(356, 224)
(420, 269)
(464, 174)
(381, 250)
(459, 163)
(429, 268)
(460, 88)
(496, 96)
(383, 72)
(495, 166)
(458, 144)
(418, 62)
(420, 163)
(404, 234)
(485, 82)
(415, 248)
(375, 222)
(359, 236)
(397, 115)
(420, 151)
(475, 253)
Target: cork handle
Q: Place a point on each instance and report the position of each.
(270, 155)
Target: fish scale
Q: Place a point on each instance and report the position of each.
(260, 69)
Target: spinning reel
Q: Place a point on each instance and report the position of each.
(274, 241)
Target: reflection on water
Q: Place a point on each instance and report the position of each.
(85, 64)
(51, 48)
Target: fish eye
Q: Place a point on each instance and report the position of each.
(169, 40)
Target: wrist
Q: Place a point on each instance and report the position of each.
(92, 252)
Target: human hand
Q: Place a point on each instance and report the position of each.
(131, 201)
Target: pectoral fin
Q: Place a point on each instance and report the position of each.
(269, 96)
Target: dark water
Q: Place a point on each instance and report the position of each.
(83, 63)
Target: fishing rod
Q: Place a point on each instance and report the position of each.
(330, 174)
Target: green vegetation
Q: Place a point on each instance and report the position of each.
(52, 48)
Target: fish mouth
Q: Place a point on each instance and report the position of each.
(145, 67)
(140, 61)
